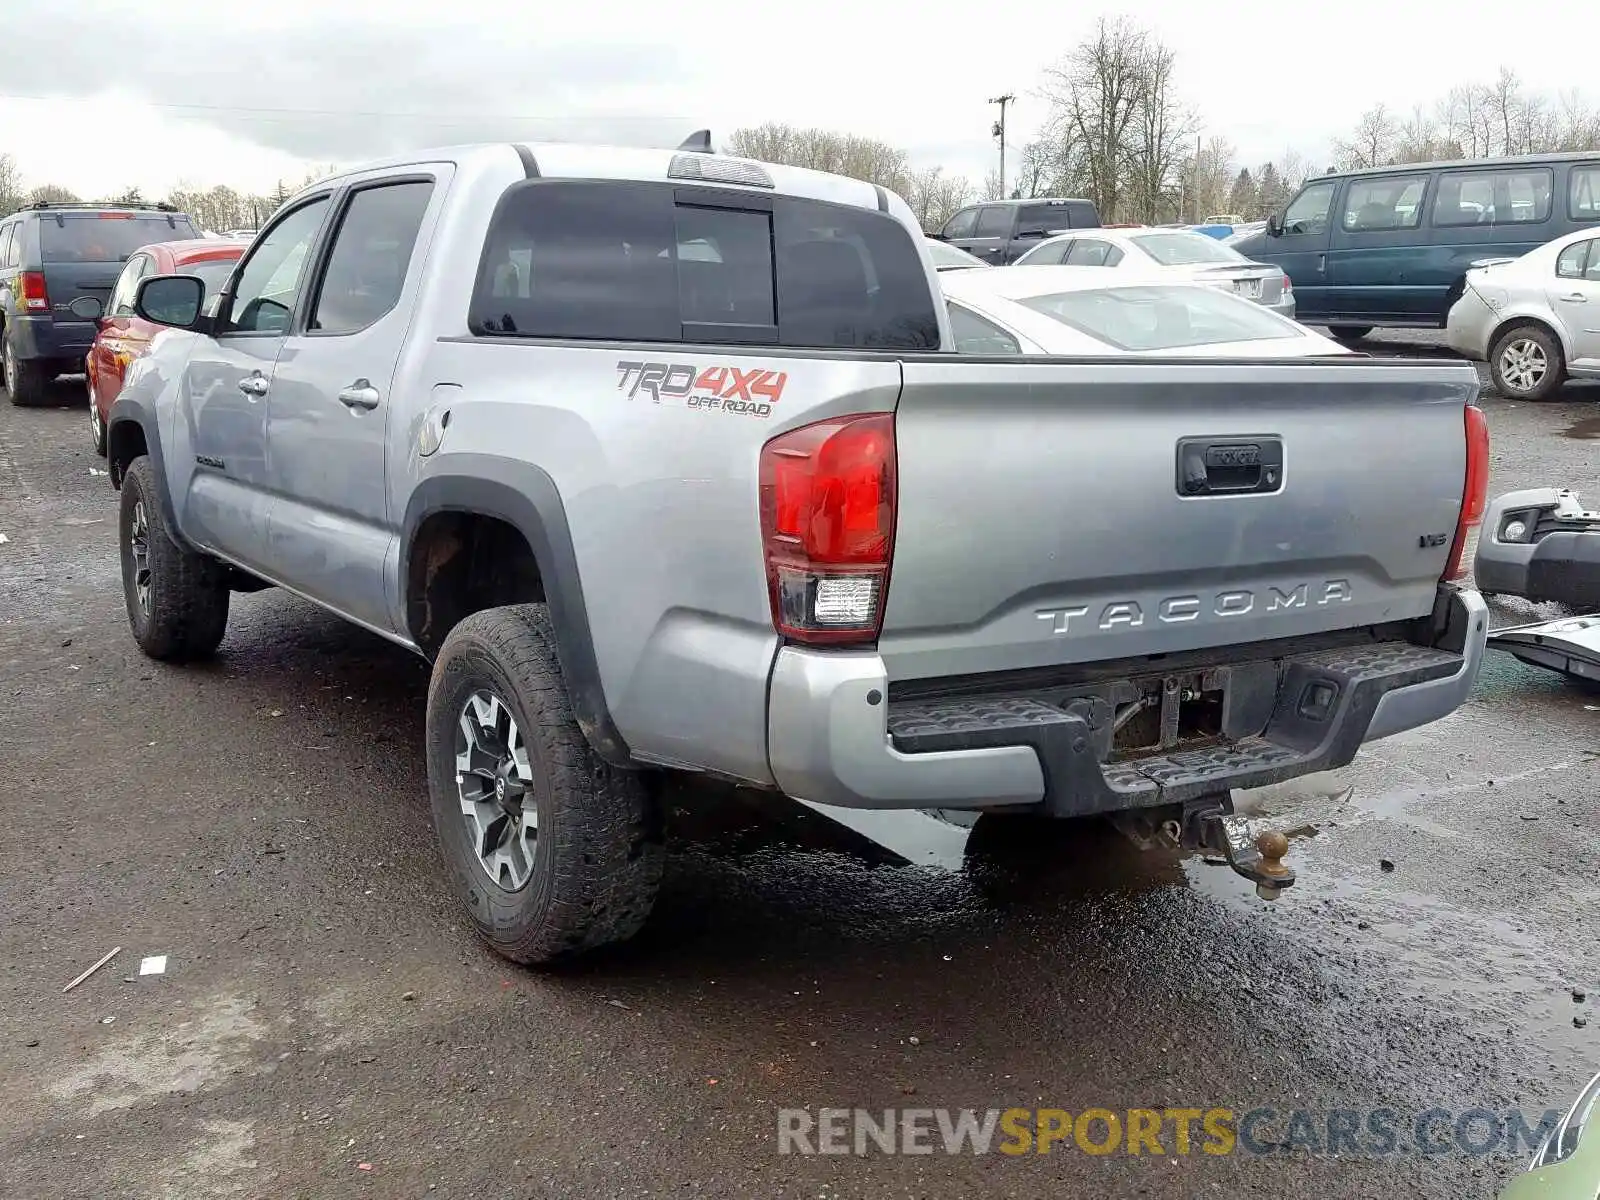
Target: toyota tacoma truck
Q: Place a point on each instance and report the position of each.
(664, 461)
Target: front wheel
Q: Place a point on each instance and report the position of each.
(177, 601)
(1526, 363)
(552, 850)
(1349, 333)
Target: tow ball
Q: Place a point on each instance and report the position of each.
(1209, 826)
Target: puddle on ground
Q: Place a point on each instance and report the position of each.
(1589, 427)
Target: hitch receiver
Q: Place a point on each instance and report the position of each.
(1208, 825)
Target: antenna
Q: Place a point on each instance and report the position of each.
(698, 142)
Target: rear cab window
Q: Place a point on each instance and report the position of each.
(666, 263)
(74, 237)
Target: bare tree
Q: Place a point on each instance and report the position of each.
(1505, 102)
(1162, 126)
(935, 196)
(1210, 177)
(1372, 144)
(10, 185)
(824, 150)
(52, 193)
(1095, 92)
(1292, 166)
(1577, 125)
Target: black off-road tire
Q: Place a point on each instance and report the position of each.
(185, 611)
(1349, 333)
(1555, 363)
(27, 383)
(598, 850)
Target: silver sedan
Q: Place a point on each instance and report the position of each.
(1173, 254)
(1536, 319)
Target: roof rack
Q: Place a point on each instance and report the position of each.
(153, 206)
(698, 142)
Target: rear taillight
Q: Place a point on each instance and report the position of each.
(1474, 491)
(827, 526)
(1288, 284)
(34, 296)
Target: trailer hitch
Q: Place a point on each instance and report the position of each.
(1209, 826)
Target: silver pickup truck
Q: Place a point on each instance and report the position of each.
(664, 462)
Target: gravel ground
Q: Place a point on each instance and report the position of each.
(327, 1027)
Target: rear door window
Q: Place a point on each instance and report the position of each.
(659, 263)
(962, 224)
(7, 235)
(1583, 192)
(1092, 252)
(1493, 197)
(994, 222)
(371, 254)
(106, 237)
(1386, 203)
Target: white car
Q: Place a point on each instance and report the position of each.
(1534, 319)
(1064, 310)
(951, 258)
(1175, 253)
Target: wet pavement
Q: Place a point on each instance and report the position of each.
(327, 1027)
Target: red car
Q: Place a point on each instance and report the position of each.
(123, 336)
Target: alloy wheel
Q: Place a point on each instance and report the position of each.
(1523, 364)
(139, 551)
(495, 785)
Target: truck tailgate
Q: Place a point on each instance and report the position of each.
(1055, 512)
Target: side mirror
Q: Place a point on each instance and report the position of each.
(1274, 225)
(87, 308)
(937, 235)
(171, 300)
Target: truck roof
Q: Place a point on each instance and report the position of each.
(567, 160)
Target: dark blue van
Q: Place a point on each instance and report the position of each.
(1391, 246)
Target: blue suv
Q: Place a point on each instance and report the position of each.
(52, 256)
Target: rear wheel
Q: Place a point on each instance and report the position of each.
(177, 601)
(1526, 363)
(1349, 333)
(26, 382)
(553, 851)
(97, 427)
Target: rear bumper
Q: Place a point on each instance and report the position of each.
(1283, 306)
(1468, 326)
(1562, 565)
(35, 338)
(834, 737)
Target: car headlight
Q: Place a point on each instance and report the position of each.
(1562, 1141)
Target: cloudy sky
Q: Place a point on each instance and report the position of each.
(99, 95)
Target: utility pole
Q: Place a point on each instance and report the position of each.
(1000, 132)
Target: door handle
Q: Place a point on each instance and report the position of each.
(360, 394)
(1322, 263)
(1576, 298)
(254, 385)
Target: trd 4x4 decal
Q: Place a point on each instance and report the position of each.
(748, 390)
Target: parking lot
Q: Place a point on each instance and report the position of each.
(328, 1027)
